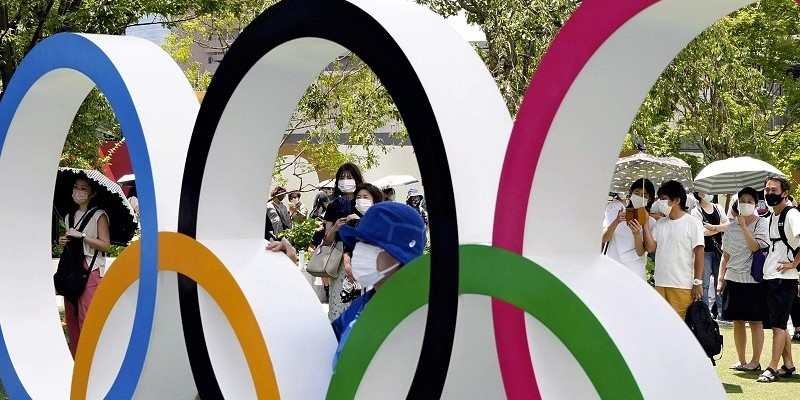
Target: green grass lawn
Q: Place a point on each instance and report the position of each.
(742, 385)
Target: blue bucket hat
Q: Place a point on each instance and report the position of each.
(395, 227)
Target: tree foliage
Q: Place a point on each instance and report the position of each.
(732, 92)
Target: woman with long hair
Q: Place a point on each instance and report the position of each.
(624, 235)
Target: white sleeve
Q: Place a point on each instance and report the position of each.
(792, 228)
(723, 217)
(696, 234)
(696, 214)
(611, 214)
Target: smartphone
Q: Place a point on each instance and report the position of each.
(630, 214)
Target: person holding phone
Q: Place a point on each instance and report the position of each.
(623, 228)
(340, 211)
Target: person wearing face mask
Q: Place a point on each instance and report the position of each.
(780, 275)
(389, 236)
(415, 201)
(277, 213)
(743, 298)
(677, 240)
(623, 238)
(714, 222)
(340, 211)
(95, 241)
(367, 195)
(297, 210)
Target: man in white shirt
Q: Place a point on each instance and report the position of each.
(677, 241)
(780, 275)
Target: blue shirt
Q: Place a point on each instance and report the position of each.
(344, 324)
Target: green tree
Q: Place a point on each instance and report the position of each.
(517, 34)
(732, 92)
(24, 23)
(346, 104)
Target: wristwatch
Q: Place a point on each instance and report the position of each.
(83, 235)
(697, 282)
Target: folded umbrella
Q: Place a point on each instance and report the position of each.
(109, 197)
(731, 175)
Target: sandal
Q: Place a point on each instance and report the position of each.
(786, 372)
(742, 368)
(768, 376)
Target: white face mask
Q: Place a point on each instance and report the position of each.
(746, 210)
(362, 205)
(79, 196)
(638, 201)
(365, 265)
(662, 207)
(347, 185)
(708, 197)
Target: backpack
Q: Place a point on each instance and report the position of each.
(705, 329)
(782, 232)
(71, 277)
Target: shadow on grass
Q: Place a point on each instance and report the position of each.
(729, 388)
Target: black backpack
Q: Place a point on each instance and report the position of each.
(782, 232)
(71, 277)
(705, 329)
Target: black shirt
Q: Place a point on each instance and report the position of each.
(713, 242)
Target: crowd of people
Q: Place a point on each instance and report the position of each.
(364, 221)
(751, 251)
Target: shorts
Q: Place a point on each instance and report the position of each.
(744, 302)
(780, 294)
(679, 299)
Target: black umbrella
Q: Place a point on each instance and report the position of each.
(109, 198)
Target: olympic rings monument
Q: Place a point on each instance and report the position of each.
(514, 300)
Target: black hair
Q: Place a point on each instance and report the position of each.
(673, 190)
(785, 185)
(294, 195)
(354, 171)
(377, 194)
(132, 191)
(278, 191)
(649, 188)
(389, 191)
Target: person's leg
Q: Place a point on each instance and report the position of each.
(715, 259)
(681, 299)
(86, 298)
(73, 329)
(788, 362)
(778, 345)
(796, 318)
(740, 340)
(707, 260)
(757, 331)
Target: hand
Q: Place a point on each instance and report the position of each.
(74, 233)
(710, 227)
(620, 218)
(635, 227)
(785, 266)
(352, 217)
(63, 240)
(721, 287)
(742, 221)
(697, 292)
(339, 223)
(285, 247)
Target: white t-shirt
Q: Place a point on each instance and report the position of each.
(622, 247)
(777, 249)
(676, 241)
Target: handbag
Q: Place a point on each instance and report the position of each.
(71, 275)
(759, 257)
(325, 261)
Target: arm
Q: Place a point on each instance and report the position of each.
(608, 231)
(638, 239)
(752, 244)
(103, 241)
(650, 243)
(723, 268)
(699, 254)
